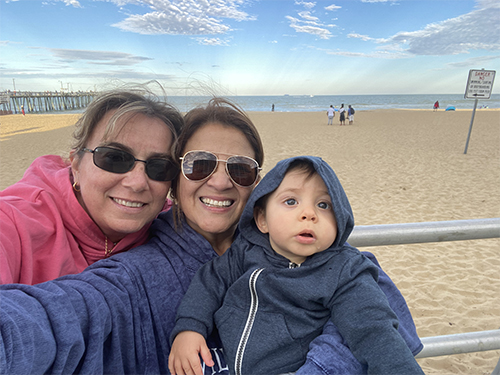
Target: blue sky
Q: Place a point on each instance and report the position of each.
(249, 47)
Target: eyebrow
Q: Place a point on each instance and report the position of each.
(154, 155)
(299, 189)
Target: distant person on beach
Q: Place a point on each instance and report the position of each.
(293, 235)
(272, 108)
(350, 113)
(331, 114)
(342, 114)
(64, 215)
(22, 110)
(436, 106)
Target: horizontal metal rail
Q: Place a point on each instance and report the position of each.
(438, 231)
(460, 343)
(434, 231)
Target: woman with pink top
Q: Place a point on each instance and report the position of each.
(64, 215)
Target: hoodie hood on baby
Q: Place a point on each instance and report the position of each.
(271, 181)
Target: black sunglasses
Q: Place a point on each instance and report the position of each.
(119, 161)
(200, 165)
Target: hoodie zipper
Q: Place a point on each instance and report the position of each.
(254, 304)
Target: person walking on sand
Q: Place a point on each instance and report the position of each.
(331, 114)
(350, 112)
(22, 110)
(342, 114)
(436, 106)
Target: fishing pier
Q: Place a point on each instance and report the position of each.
(41, 102)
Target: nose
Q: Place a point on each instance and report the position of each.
(219, 179)
(309, 214)
(137, 179)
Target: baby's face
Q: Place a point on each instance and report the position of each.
(299, 217)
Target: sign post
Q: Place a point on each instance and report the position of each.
(479, 86)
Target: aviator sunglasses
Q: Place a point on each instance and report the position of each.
(118, 161)
(200, 165)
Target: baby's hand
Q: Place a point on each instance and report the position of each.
(184, 356)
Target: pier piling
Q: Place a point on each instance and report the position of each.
(39, 102)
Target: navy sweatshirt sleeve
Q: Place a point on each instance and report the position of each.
(113, 318)
(364, 318)
(208, 289)
(330, 354)
(64, 326)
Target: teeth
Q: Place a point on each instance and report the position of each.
(214, 203)
(128, 203)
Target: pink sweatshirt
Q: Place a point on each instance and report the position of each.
(44, 231)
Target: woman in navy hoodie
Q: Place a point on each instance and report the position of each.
(116, 317)
(288, 272)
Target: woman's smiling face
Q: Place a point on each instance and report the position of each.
(213, 207)
(123, 203)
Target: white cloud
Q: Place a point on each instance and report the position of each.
(364, 38)
(374, 55)
(183, 17)
(306, 15)
(309, 24)
(477, 30)
(332, 7)
(98, 57)
(302, 27)
(73, 3)
(475, 61)
(212, 41)
(305, 4)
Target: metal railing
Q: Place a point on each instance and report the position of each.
(434, 231)
(439, 231)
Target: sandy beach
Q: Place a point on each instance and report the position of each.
(397, 166)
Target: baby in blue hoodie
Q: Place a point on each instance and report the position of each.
(287, 273)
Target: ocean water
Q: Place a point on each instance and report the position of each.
(310, 103)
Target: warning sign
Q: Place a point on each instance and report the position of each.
(479, 84)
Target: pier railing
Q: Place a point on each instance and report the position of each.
(439, 231)
(39, 102)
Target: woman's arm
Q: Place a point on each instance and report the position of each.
(115, 317)
(329, 353)
(68, 325)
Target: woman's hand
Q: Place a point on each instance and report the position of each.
(185, 354)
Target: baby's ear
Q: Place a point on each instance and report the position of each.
(259, 215)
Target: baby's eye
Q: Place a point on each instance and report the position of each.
(290, 202)
(324, 205)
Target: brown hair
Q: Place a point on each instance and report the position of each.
(127, 104)
(222, 111)
(302, 166)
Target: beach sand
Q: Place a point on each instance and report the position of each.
(397, 166)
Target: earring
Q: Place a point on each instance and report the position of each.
(76, 187)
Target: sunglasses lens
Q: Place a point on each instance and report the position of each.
(161, 169)
(118, 161)
(113, 160)
(242, 170)
(198, 165)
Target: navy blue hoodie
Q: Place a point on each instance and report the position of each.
(267, 313)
